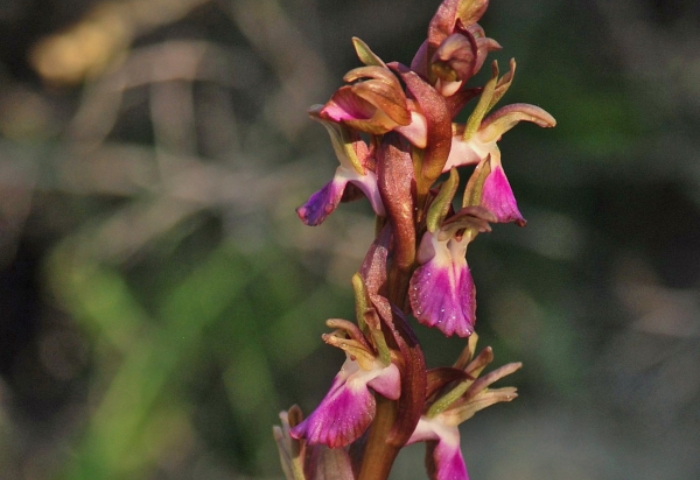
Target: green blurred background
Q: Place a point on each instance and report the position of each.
(160, 302)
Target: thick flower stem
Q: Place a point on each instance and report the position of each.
(379, 455)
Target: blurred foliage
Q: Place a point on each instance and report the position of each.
(160, 302)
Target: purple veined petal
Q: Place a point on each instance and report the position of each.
(442, 292)
(344, 413)
(499, 198)
(322, 203)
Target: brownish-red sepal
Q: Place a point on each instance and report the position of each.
(438, 118)
(419, 64)
(455, 58)
(373, 269)
(442, 24)
(395, 179)
(438, 378)
(412, 366)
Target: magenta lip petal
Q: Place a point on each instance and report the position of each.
(322, 203)
(449, 463)
(341, 417)
(498, 197)
(450, 306)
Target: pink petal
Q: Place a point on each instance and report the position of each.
(368, 184)
(388, 384)
(417, 131)
(442, 295)
(322, 203)
(498, 197)
(342, 416)
(462, 153)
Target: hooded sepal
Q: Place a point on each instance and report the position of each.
(442, 24)
(460, 57)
